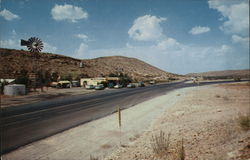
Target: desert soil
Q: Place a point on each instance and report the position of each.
(206, 118)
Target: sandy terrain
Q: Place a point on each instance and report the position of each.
(205, 117)
(37, 96)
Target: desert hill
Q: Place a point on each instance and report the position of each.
(14, 62)
(245, 73)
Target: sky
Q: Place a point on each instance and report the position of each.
(178, 36)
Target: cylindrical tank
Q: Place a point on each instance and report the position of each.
(15, 89)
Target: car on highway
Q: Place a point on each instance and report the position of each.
(118, 86)
(99, 87)
(90, 87)
(131, 85)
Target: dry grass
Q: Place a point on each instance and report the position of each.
(244, 121)
(93, 158)
(217, 96)
(225, 98)
(177, 151)
(160, 144)
(135, 137)
(163, 149)
(106, 146)
(181, 151)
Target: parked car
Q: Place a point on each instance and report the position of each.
(75, 84)
(111, 85)
(152, 82)
(64, 84)
(99, 87)
(141, 84)
(130, 85)
(90, 87)
(118, 86)
(53, 84)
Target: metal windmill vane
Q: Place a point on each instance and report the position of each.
(33, 44)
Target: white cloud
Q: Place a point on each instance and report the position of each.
(199, 30)
(82, 36)
(235, 15)
(169, 44)
(8, 15)
(68, 12)
(223, 50)
(10, 43)
(146, 28)
(242, 40)
(81, 51)
(49, 48)
(13, 32)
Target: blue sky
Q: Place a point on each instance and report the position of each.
(179, 36)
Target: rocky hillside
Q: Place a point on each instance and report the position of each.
(226, 74)
(14, 62)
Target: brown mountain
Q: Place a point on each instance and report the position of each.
(14, 62)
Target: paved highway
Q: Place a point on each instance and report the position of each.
(21, 125)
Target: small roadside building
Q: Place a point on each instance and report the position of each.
(92, 81)
(99, 80)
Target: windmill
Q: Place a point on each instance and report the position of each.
(33, 44)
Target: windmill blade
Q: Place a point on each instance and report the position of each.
(35, 44)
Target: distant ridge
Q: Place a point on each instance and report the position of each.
(13, 62)
(244, 73)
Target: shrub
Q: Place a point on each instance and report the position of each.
(22, 80)
(160, 144)
(54, 76)
(181, 151)
(2, 84)
(68, 77)
(237, 79)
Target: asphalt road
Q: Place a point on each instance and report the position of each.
(21, 125)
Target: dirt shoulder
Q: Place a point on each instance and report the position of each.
(206, 118)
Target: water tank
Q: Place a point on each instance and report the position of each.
(15, 89)
(81, 64)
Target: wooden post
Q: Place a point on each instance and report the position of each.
(120, 123)
(119, 117)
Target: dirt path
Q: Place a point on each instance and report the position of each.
(204, 116)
